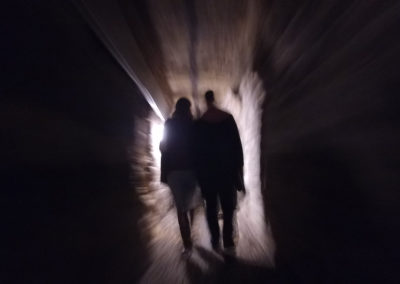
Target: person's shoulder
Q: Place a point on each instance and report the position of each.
(220, 112)
(224, 117)
(168, 122)
(171, 123)
(224, 113)
(215, 115)
(173, 120)
(230, 117)
(203, 118)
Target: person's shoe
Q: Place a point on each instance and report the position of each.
(216, 247)
(187, 252)
(230, 251)
(229, 255)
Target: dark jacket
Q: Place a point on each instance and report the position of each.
(177, 147)
(219, 154)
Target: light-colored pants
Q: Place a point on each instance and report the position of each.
(184, 188)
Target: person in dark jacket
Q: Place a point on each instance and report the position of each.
(219, 166)
(177, 166)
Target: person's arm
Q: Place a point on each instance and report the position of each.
(237, 144)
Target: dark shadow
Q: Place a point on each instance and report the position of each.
(227, 269)
(71, 211)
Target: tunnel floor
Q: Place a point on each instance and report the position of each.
(204, 265)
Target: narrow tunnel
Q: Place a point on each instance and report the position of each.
(86, 87)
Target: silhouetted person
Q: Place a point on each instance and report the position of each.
(219, 165)
(177, 166)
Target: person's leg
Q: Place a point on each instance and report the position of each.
(192, 195)
(212, 218)
(228, 205)
(177, 184)
(191, 214)
(184, 226)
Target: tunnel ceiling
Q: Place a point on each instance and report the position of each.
(187, 47)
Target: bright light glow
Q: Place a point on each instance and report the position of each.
(157, 132)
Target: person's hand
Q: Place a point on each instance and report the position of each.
(241, 196)
(240, 181)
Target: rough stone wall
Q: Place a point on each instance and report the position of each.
(330, 137)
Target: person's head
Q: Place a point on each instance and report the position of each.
(209, 97)
(182, 109)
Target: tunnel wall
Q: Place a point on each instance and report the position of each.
(330, 138)
(68, 119)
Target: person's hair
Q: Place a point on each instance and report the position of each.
(182, 109)
(209, 96)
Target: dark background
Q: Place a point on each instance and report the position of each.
(67, 114)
